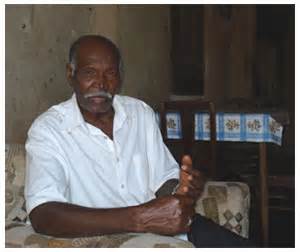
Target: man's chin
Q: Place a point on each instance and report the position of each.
(96, 105)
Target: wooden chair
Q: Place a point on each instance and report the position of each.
(249, 163)
(187, 110)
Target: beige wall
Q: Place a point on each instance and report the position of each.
(37, 42)
(104, 21)
(145, 44)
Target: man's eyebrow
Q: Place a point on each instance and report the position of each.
(112, 69)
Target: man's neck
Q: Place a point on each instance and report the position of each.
(103, 121)
(101, 117)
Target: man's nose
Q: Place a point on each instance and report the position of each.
(99, 81)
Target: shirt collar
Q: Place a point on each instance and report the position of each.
(74, 118)
(120, 112)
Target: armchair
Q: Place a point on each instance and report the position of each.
(227, 203)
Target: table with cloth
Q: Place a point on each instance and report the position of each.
(236, 127)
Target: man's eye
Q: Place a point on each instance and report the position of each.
(112, 73)
(89, 72)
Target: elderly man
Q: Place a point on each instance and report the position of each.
(96, 164)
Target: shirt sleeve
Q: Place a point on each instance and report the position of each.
(162, 164)
(46, 177)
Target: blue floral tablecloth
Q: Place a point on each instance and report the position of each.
(238, 127)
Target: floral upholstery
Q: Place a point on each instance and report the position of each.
(226, 203)
(19, 234)
(14, 183)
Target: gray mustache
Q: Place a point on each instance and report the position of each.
(98, 94)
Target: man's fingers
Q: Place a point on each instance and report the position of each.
(196, 182)
(187, 161)
(190, 185)
(195, 194)
(195, 173)
(189, 202)
(189, 180)
(193, 184)
(191, 193)
(187, 166)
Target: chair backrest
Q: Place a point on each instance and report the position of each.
(187, 110)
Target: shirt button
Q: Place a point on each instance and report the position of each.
(122, 186)
(118, 159)
(105, 137)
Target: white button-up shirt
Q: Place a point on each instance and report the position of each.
(70, 160)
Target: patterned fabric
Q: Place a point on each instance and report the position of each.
(226, 203)
(173, 125)
(14, 182)
(19, 234)
(230, 127)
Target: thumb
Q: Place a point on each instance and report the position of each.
(187, 161)
(186, 164)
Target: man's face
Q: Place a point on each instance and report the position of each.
(96, 78)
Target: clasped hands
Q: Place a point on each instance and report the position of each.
(171, 215)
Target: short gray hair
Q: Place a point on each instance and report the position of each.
(76, 44)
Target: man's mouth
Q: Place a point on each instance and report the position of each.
(98, 99)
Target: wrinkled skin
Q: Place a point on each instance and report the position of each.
(167, 215)
(171, 214)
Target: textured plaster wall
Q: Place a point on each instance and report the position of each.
(37, 43)
(104, 21)
(145, 45)
(37, 40)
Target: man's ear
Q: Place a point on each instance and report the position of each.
(69, 73)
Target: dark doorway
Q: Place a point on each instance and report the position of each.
(187, 49)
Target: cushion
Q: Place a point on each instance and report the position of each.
(18, 234)
(226, 203)
(14, 182)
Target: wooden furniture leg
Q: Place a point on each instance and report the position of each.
(264, 204)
